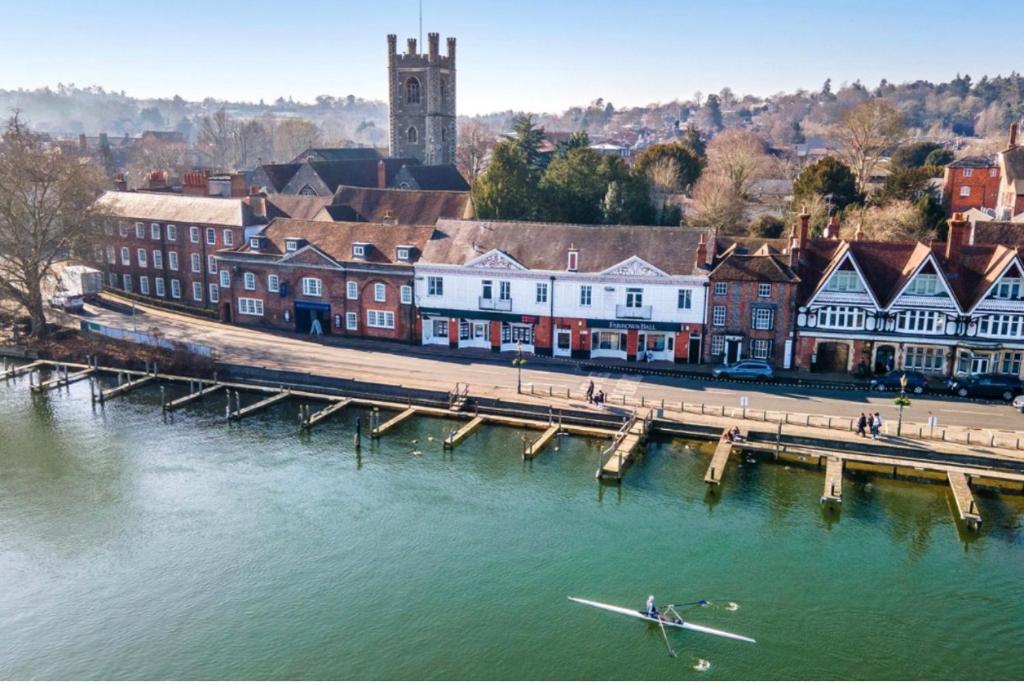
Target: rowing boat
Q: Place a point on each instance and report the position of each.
(662, 621)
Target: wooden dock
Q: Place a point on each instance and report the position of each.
(719, 459)
(325, 413)
(452, 440)
(21, 370)
(960, 484)
(193, 397)
(62, 381)
(833, 493)
(628, 442)
(242, 412)
(540, 443)
(125, 388)
(393, 422)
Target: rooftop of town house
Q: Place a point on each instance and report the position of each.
(545, 246)
(974, 162)
(335, 239)
(338, 154)
(281, 206)
(998, 233)
(179, 209)
(392, 205)
(363, 173)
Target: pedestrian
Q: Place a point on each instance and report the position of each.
(876, 426)
(590, 391)
(862, 425)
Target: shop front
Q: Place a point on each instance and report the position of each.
(466, 329)
(633, 340)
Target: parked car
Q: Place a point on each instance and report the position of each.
(753, 369)
(916, 381)
(989, 385)
(1018, 403)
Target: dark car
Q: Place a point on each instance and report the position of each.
(916, 381)
(989, 385)
(753, 369)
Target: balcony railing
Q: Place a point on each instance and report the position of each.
(495, 305)
(623, 311)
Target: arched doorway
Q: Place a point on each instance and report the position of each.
(885, 358)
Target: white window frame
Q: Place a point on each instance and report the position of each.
(359, 251)
(249, 280)
(126, 282)
(122, 228)
(377, 318)
(211, 236)
(196, 261)
(717, 344)
(172, 233)
(764, 289)
(172, 260)
(721, 288)
(968, 172)
(542, 293)
(844, 282)
(719, 313)
(197, 291)
(684, 298)
(352, 290)
(586, 295)
(225, 278)
(351, 321)
(126, 256)
(250, 306)
(435, 286)
(405, 294)
(176, 288)
(193, 234)
(273, 284)
(762, 319)
(158, 259)
(144, 285)
(214, 293)
(402, 254)
(140, 230)
(380, 292)
(761, 348)
(229, 237)
(111, 255)
(160, 288)
(211, 264)
(142, 257)
(965, 191)
(154, 231)
(311, 287)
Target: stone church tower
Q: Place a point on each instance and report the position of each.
(421, 102)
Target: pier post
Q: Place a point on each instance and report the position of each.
(358, 437)
(227, 405)
(163, 399)
(238, 401)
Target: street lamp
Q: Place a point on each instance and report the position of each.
(518, 363)
(901, 401)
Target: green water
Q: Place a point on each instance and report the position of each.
(134, 547)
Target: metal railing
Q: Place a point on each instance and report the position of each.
(623, 311)
(496, 305)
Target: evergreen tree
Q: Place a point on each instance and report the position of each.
(528, 139)
(507, 189)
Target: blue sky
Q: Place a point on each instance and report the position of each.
(518, 54)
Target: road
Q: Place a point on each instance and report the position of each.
(233, 344)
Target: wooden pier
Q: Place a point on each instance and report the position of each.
(719, 459)
(960, 484)
(22, 370)
(193, 397)
(540, 443)
(62, 381)
(242, 412)
(455, 438)
(125, 388)
(393, 422)
(833, 493)
(325, 413)
(628, 442)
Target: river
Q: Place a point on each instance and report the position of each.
(138, 547)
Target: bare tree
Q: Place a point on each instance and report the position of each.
(292, 136)
(154, 155)
(473, 143)
(898, 220)
(718, 204)
(47, 213)
(739, 156)
(865, 134)
(253, 144)
(217, 135)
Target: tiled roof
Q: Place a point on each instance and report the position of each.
(378, 205)
(284, 206)
(757, 267)
(545, 247)
(974, 162)
(335, 239)
(997, 233)
(437, 177)
(357, 172)
(279, 174)
(170, 207)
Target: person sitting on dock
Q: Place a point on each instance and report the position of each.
(735, 435)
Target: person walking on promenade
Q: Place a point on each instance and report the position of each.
(876, 426)
(862, 425)
(590, 391)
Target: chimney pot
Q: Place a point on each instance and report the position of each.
(805, 226)
(955, 239)
(382, 175)
(1013, 134)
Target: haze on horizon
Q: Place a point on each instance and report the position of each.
(523, 55)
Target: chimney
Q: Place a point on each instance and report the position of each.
(572, 259)
(1013, 135)
(832, 230)
(82, 145)
(238, 185)
(258, 203)
(410, 46)
(433, 45)
(382, 175)
(702, 253)
(805, 226)
(120, 183)
(794, 249)
(157, 179)
(955, 239)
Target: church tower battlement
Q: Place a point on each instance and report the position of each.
(421, 101)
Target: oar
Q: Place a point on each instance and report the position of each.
(699, 602)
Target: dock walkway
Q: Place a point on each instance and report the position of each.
(193, 397)
(540, 443)
(125, 388)
(242, 412)
(325, 413)
(719, 459)
(394, 421)
(628, 442)
(833, 493)
(960, 484)
(464, 432)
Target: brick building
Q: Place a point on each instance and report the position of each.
(752, 293)
(343, 278)
(972, 183)
(165, 245)
(1011, 182)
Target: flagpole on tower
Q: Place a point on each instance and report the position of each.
(421, 22)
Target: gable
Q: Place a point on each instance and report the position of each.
(306, 182)
(927, 281)
(496, 259)
(634, 266)
(308, 255)
(1009, 285)
(845, 277)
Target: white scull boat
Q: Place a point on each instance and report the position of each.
(665, 622)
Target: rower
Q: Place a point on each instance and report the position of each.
(651, 610)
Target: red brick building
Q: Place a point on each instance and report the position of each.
(972, 183)
(329, 278)
(752, 293)
(165, 245)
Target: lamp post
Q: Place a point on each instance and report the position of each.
(901, 401)
(518, 363)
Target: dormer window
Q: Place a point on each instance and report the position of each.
(359, 250)
(254, 243)
(291, 245)
(403, 253)
(573, 260)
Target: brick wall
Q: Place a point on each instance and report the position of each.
(983, 185)
(740, 299)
